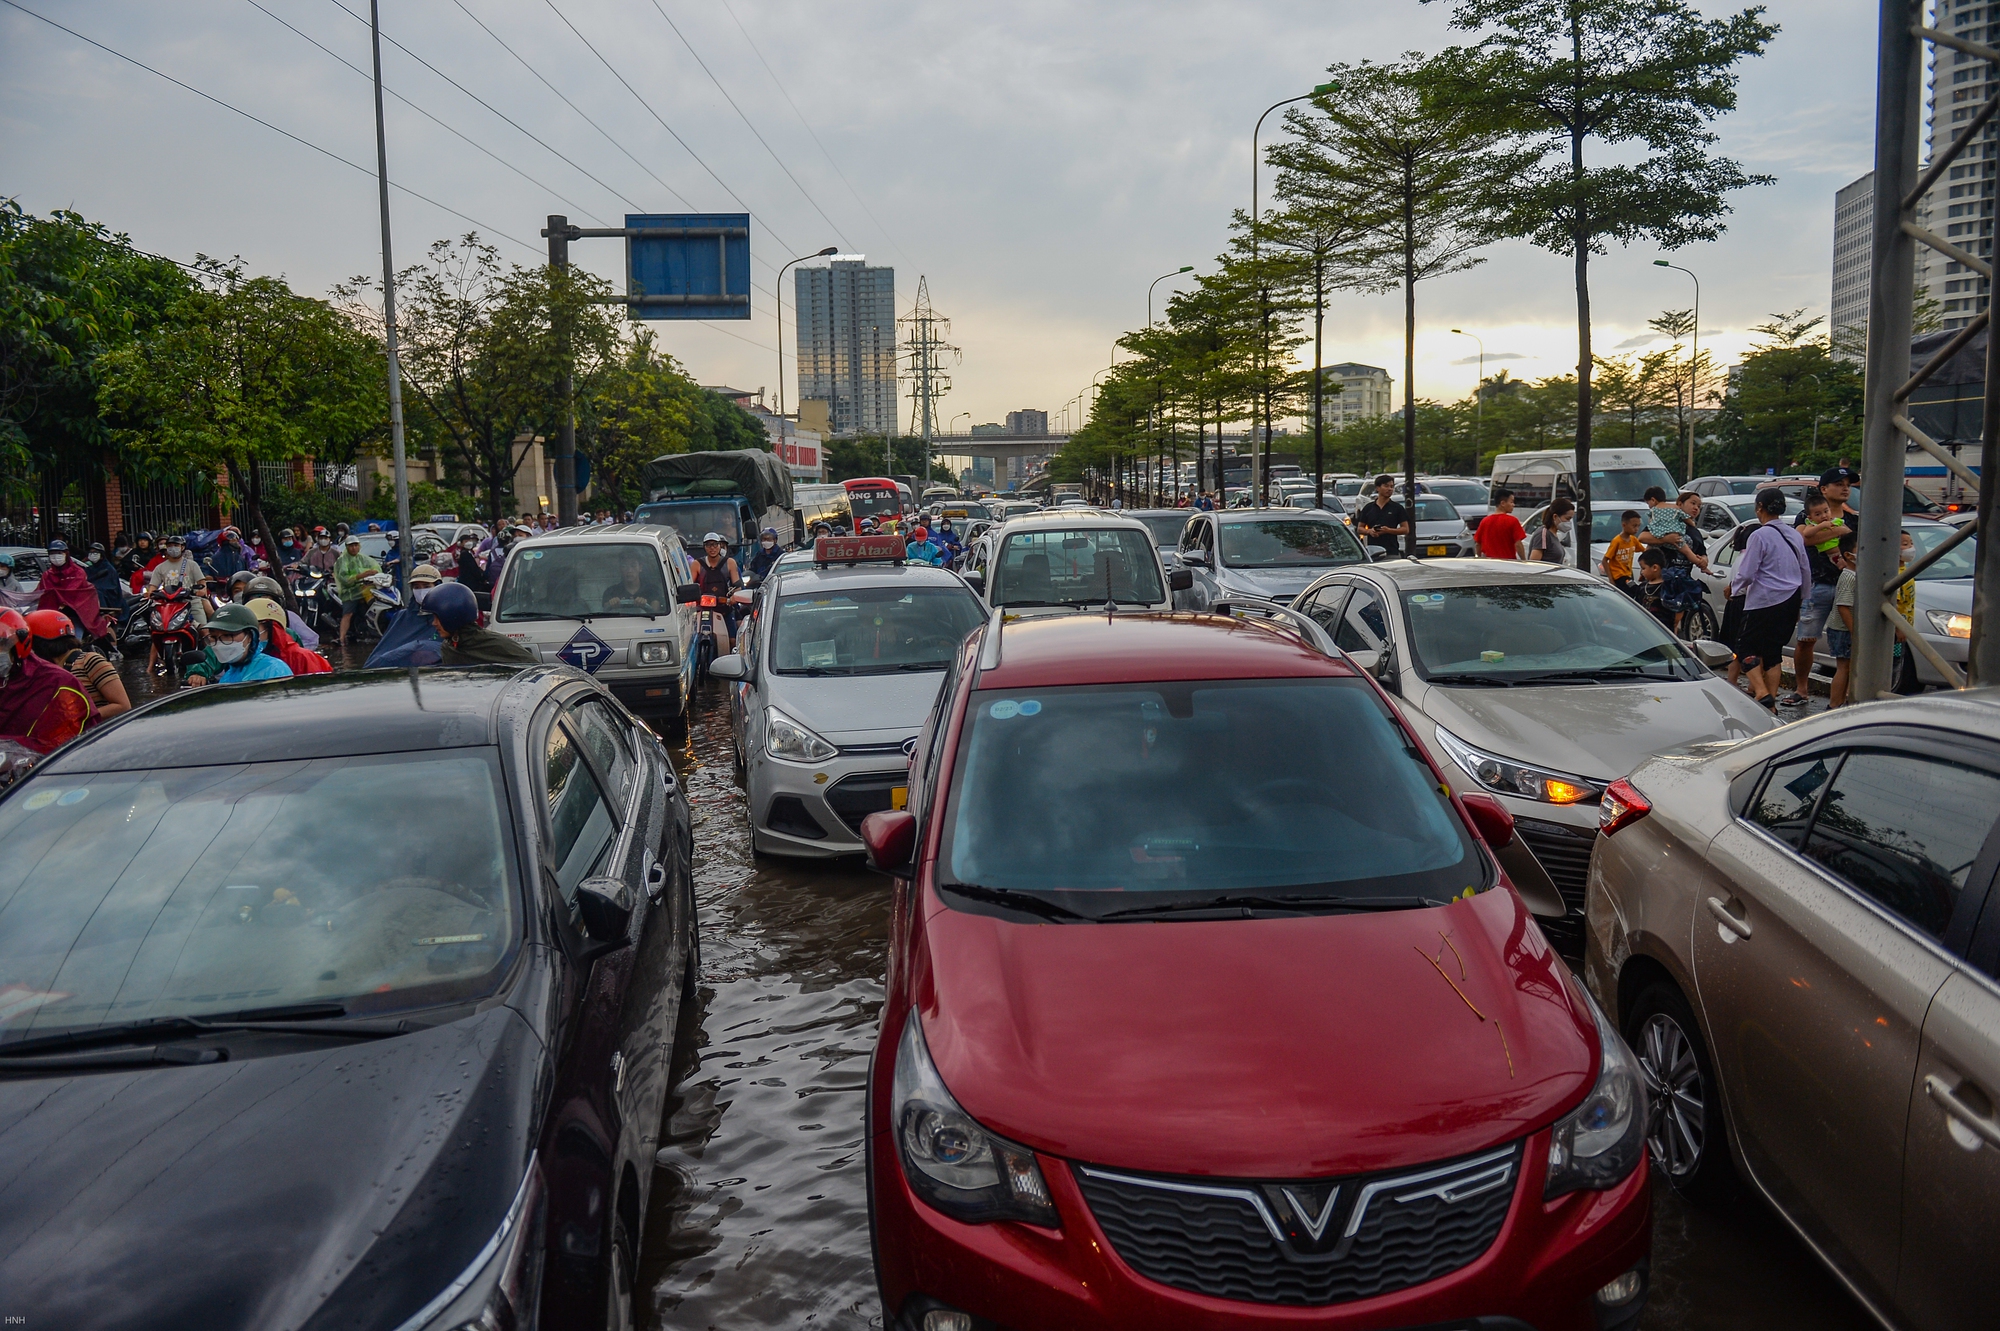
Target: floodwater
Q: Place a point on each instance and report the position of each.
(759, 1216)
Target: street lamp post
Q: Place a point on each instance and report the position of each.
(1184, 268)
(1818, 389)
(1694, 360)
(1478, 399)
(1256, 253)
(817, 254)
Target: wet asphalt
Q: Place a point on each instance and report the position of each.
(759, 1217)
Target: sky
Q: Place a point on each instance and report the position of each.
(1038, 162)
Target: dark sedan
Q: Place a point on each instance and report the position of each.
(345, 1001)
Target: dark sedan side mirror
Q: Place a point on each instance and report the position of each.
(1490, 816)
(891, 838)
(1180, 579)
(605, 905)
(687, 593)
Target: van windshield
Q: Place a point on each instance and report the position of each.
(1629, 485)
(694, 519)
(1142, 793)
(386, 880)
(611, 578)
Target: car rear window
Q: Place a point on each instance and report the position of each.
(1303, 787)
(1288, 543)
(870, 630)
(1077, 566)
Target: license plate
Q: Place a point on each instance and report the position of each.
(1437, 550)
(899, 797)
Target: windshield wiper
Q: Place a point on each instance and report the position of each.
(527, 616)
(1292, 903)
(1594, 673)
(1491, 681)
(306, 1018)
(1021, 901)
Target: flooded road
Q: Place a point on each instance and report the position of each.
(760, 1219)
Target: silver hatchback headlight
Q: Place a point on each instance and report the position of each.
(787, 739)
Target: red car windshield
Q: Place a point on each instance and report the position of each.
(1271, 787)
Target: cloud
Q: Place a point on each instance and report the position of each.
(1643, 340)
(1494, 356)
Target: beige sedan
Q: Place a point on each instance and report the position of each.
(1795, 934)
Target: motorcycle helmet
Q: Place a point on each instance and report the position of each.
(319, 531)
(47, 629)
(14, 639)
(58, 546)
(425, 575)
(237, 582)
(263, 585)
(285, 535)
(266, 609)
(453, 605)
(145, 538)
(233, 619)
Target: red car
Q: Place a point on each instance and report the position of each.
(1209, 1005)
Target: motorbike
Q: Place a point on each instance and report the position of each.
(380, 603)
(171, 630)
(319, 602)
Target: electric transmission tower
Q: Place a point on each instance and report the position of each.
(925, 349)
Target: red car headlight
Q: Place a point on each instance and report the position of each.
(950, 1160)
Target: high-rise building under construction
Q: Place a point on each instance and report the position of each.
(847, 343)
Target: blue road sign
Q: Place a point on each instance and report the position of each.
(585, 650)
(687, 265)
(582, 472)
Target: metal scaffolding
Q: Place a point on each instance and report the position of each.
(1899, 191)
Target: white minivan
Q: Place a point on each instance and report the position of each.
(1619, 477)
(606, 599)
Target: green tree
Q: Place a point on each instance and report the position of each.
(242, 370)
(1788, 382)
(640, 407)
(1432, 167)
(1572, 77)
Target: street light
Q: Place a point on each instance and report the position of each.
(817, 254)
(1478, 398)
(1818, 389)
(1256, 229)
(1184, 268)
(1694, 361)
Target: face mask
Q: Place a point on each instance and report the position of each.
(59, 560)
(174, 552)
(229, 653)
(769, 545)
(323, 543)
(95, 558)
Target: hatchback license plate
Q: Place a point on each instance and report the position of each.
(1437, 550)
(899, 797)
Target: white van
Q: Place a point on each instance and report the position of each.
(605, 599)
(1619, 476)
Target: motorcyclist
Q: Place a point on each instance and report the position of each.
(11, 594)
(55, 641)
(66, 587)
(228, 558)
(322, 557)
(278, 641)
(470, 572)
(42, 705)
(350, 571)
(177, 570)
(716, 573)
(766, 554)
(290, 551)
(465, 641)
(236, 652)
(947, 540)
(239, 582)
(920, 550)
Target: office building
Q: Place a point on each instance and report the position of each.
(1853, 250)
(1366, 393)
(1027, 422)
(1960, 206)
(847, 344)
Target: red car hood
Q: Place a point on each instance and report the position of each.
(1276, 1048)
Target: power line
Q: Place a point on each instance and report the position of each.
(786, 244)
(783, 92)
(614, 193)
(753, 129)
(304, 143)
(426, 114)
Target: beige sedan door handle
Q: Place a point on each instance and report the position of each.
(1960, 1113)
(1734, 923)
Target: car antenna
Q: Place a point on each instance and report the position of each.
(1110, 605)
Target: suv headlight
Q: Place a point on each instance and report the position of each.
(951, 1162)
(1507, 777)
(1949, 624)
(657, 653)
(1603, 1139)
(787, 739)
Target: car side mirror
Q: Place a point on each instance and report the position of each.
(727, 667)
(1713, 654)
(687, 593)
(1380, 664)
(1197, 557)
(1376, 552)
(1180, 579)
(976, 581)
(891, 839)
(605, 905)
(1490, 817)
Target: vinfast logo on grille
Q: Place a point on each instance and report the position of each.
(1304, 1207)
(585, 650)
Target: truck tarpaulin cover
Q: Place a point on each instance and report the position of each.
(752, 472)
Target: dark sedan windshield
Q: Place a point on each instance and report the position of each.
(870, 630)
(192, 890)
(1517, 632)
(1288, 543)
(1274, 786)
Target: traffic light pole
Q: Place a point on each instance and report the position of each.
(560, 233)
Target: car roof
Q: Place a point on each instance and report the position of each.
(881, 573)
(311, 716)
(1094, 648)
(1088, 517)
(1473, 572)
(1975, 711)
(609, 531)
(1289, 514)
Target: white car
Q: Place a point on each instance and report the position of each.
(1269, 554)
(832, 685)
(1440, 530)
(607, 600)
(1061, 561)
(1541, 683)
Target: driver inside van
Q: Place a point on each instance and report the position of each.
(629, 591)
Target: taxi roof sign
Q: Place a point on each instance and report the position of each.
(858, 549)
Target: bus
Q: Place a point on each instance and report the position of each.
(875, 497)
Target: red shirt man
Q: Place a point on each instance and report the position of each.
(1500, 534)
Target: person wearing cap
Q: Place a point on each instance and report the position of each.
(278, 641)
(42, 706)
(176, 571)
(349, 572)
(469, 572)
(947, 540)
(766, 553)
(919, 549)
(290, 550)
(66, 587)
(103, 575)
(54, 640)
(236, 652)
(227, 557)
(716, 573)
